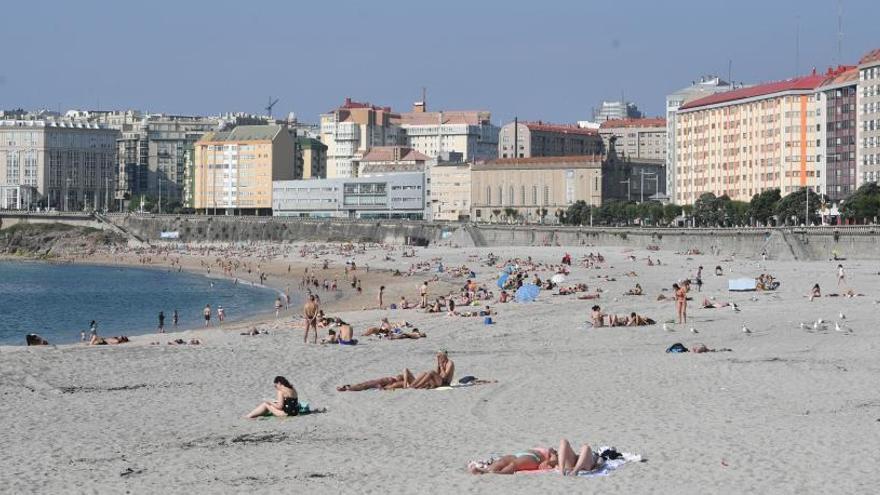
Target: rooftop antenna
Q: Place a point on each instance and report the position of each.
(729, 73)
(425, 98)
(839, 32)
(270, 105)
(797, 45)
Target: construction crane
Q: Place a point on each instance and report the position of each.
(270, 105)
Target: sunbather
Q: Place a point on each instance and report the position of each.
(636, 320)
(95, 340)
(635, 291)
(442, 376)
(340, 333)
(285, 403)
(527, 460)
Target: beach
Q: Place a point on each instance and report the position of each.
(774, 415)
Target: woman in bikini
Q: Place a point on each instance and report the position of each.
(681, 302)
(528, 460)
(285, 404)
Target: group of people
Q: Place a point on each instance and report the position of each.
(601, 319)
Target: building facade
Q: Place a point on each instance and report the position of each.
(745, 141)
(840, 124)
(395, 195)
(868, 130)
(234, 170)
(539, 139)
(311, 159)
(57, 164)
(451, 191)
(636, 138)
(470, 133)
(533, 189)
(616, 110)
(351, 130)
(705, 86)
(626, 179)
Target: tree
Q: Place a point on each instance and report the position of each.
(671, 212)
(864, 204)
(708, 210)
(496, 214)
(510, 213)
(737, 213)
(762, 207)
(578, 213)
(542, 213)
(794, 206)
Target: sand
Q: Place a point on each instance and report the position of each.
(788, 410)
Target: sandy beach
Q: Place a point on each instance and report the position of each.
(789, 409)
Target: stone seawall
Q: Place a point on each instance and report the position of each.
(815, 243)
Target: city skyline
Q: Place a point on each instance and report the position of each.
(571, 57)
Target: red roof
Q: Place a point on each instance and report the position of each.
(870, 57)
(470, 117)
(393, 154)
(647, 122)
(797, 84)
(843, 75)
(349, 103)
(560, 128)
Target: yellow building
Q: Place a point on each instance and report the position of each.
(533, 189)
(234, 170)
(748, 140)
(450, 191)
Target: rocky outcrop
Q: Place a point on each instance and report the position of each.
(55, 240)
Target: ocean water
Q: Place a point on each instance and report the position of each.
(57, 301)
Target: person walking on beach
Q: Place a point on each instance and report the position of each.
(423, 293)
(93, 329)
(680, 302)
(841, 276)
(221, 315)
(310, 312)
(207, 314)
(277, 307)
(381, 294)
(699, 279)
(175, 318)
(161, 322)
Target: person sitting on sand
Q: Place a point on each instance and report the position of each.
(815, 292)
(718, 271)
(384, 328)
(535, 459)
(286, 402)
(95, 340)
(635, 291)
(404, 304)
(503, 297)
(598, 317)
(341, 333)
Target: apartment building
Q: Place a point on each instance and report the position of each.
(468, 132)
(60, 165)
(839, 122)
(450, 191)
(868, 126)
(390, 159)
(351, 130)
(636, 138)
(535, 188)
(234, 170)
(311, 158)
(539, 139)
(705, 86)
(747, 140)
(616, 110)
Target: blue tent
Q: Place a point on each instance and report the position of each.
(527, 293)
(502, 280)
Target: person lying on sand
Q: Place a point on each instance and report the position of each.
(254, 331)
(384, 328)
(565, 460)
(707, 304)
(95, 340)
(414, 334)
(701, 348)
(439, 377)
(636, 320)
(286, 402)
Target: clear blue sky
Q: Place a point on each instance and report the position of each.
(548, 59)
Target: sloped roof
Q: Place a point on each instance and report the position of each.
(800, 83)
(393, 153)
(541, 162)
(377, 168)
(559, 128)
(469, 117)
(646, 122)
(871, 57)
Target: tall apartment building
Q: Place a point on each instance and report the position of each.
(451, 191)
(311, 158)
(868, 130)
(351, 130)
(234, 170)
(636, 138)
(840, 124)
(616, 110)
(538, 139)
(468, 132)
(57, 164)
(744, 141)
(152, 153)
(705, 86)
(534, 185)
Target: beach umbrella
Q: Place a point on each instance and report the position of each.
(527, 293)
(502, 280)
(558, 278)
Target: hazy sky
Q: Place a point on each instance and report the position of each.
(548, 59)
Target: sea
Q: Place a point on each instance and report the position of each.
(58, 301)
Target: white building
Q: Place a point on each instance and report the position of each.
(707, 85)
(468, 132)
(350, 131)
(395, 195)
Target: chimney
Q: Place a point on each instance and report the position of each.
(419, 107)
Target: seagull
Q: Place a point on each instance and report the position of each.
(745, 329)
(820, 321)
(694, 330)
(803, 326)
(839, 328)
(815, 325)
(735, 307)
(842, 316)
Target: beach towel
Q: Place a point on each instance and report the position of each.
(741, 284)
(609, 466)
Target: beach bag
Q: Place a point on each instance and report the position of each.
(487, 320)
(677, 347)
